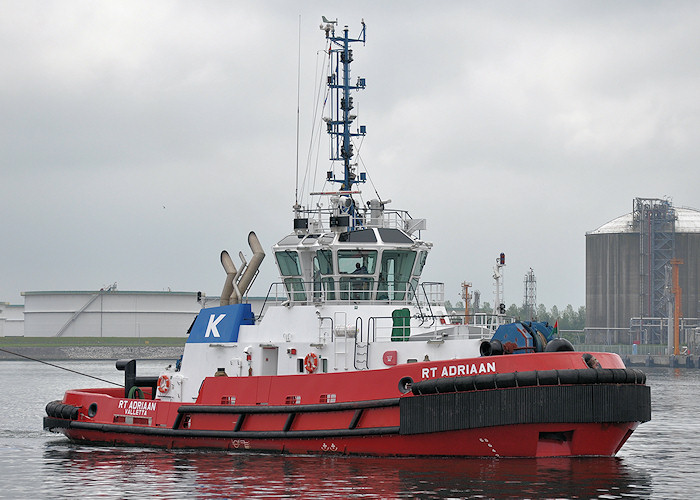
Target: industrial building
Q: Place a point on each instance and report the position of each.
(106, 313)
(11, 320)
(629, 268)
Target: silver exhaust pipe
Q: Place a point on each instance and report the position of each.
(254, 264)
(238, 281)
(231, 272)
(237, 296)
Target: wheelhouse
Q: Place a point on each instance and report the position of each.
(373, 264)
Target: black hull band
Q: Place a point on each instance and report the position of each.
(54, 424)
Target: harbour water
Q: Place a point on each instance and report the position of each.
(661, 459)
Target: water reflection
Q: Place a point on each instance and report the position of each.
(660, 460)
(127, 473)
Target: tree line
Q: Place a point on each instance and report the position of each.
(568, 317)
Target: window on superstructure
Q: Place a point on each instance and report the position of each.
(310, 239)
(291, 240)
(420, 264)
(357, 261)
(325, 261)
(324, 285)
(357, 266)
(394, 236)
(288, 262)
(395, 274)
(359, 236)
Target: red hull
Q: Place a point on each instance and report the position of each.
(369, 413)
(513, 441)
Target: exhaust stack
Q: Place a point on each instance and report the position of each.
(231, 273)
(238, 281)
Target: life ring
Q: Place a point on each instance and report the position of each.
(163, 383)
(311, 362)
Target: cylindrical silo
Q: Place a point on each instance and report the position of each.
(625, 262)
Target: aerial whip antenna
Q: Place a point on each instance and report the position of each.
(296, 184)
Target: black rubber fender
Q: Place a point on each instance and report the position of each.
(485, 382)
(640, 376)
(548, 377)
(605, 376)
(65, 411)
(526, 379)
(51, 408)
(568, 376)
(56, 409)
(424, 387)
(445, 385)
(584, 376)
(505, 380)
(631, 375)
(465, 384)
(588, 376)
(619, 376)
(558, 345)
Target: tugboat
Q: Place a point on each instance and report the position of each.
(353, 354)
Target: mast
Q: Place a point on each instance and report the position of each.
(341, 105)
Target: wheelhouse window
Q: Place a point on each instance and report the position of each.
(394, 236)
(357, 261)
(395, 274)
(359, 236)
(325, 261)
(290, 240)
(420, 264)
(358, 264)
(310, 239)
(323, 265)
(288, 262)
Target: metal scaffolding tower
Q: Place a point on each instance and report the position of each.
(655, 219)
(530, 295)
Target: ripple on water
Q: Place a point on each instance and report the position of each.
(658, 461)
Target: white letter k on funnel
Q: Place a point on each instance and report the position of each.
(211, 327)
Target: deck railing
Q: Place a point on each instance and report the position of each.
(354, 289)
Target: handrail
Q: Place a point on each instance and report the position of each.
(361, 336)
(269, 291)
(391, 218)
(297, 291)
(320, 325)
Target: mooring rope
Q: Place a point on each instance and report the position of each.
(60, 367)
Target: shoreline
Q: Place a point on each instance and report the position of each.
(114, 352)
(92, 352)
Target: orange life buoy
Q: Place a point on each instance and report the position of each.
(311, 362)
(163, 383)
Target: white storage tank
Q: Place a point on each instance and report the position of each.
(618, 273)
(109, 313)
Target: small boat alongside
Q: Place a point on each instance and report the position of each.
(353, 353)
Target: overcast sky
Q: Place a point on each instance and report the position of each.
(140, 138)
